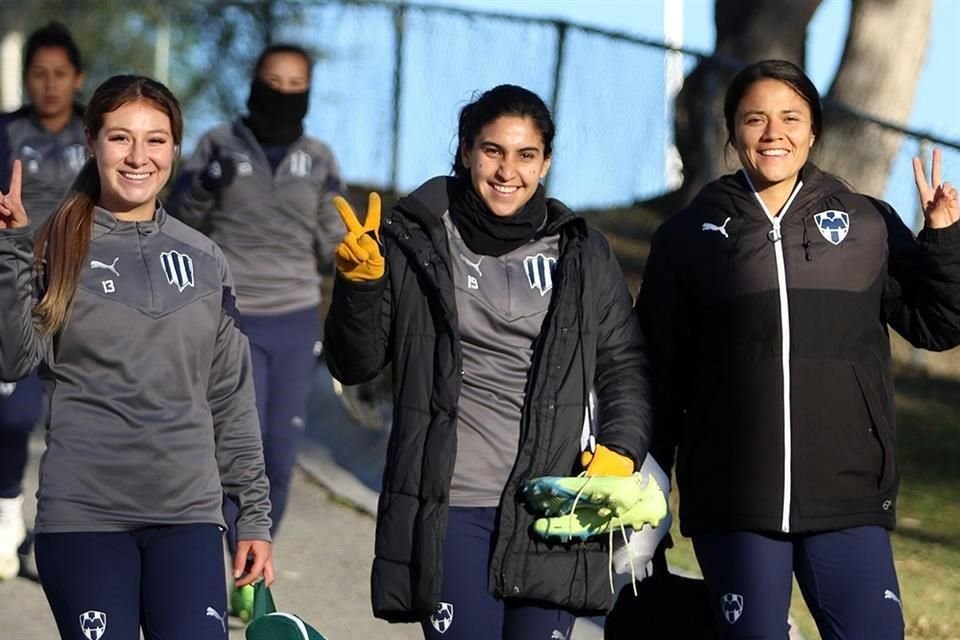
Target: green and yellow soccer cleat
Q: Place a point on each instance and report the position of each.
(583, 506)
(241, 602)
(556, 495)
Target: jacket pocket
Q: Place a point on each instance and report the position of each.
(882, 426)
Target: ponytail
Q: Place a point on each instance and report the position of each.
(61, 249)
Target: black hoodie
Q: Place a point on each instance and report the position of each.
(771, 352)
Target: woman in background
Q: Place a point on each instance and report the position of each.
(261, 189)
(47, 136)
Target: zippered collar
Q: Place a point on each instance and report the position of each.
(105, 221)
(733, 192)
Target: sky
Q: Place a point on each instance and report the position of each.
(938, 93)
(936, 107)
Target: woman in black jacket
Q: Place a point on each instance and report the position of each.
(767, 303)
(499, 311)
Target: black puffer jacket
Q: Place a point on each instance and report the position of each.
(590, 338)
(772, 357)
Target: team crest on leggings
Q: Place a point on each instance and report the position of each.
(732, 606)
(442, 618)
(93, 624)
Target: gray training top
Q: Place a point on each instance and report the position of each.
(149, 383)
(278, 230)
(501, 304)
(50, 161)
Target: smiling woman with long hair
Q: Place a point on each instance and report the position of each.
(130, 315)
(499, 310)
(767, 303)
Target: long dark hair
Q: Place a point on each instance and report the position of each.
(63, 242)
(781, 70)
(502, 100)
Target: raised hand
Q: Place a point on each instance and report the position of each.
(358, 256)
(937, 199)
(219, 173)
(12, 213)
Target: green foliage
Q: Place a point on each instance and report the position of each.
(211, 45)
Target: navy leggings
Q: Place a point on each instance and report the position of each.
(467, 611)
(281, 347)
(847, 579)
(21, 404)
(169, 581)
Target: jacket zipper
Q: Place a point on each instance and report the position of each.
(776, 237)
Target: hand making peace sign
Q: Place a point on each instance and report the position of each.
(12, 213)
(358, 256)
(938, 199)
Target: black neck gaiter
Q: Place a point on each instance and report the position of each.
(487, 234)
(275, 117)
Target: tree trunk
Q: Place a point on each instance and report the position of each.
(875, 77)
(747, 31)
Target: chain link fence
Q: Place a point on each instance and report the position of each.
(391, 78)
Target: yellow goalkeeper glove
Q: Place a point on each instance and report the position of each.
(358, 255)
(606, 462)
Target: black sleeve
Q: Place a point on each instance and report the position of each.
(357, 329)
(621, 381)
(921, 298)
(663, 314)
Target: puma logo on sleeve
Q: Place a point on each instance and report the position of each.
(709, 226)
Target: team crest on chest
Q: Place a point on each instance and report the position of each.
(178, 267)
(833, 225)
(75, 155)
(31, 158)
(301, 164)
(539, 270)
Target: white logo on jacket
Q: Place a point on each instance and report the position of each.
(709, 226)
(442, 618)
(475, 265)
(890, 595)
(93, 624)
(301, 164)
(178, 268)
(539, 269)
(112, 267)
(75, 155)
(31, 158)
(833, 225)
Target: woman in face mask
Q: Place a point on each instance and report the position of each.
(262, 190)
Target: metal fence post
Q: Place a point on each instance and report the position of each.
(557, 75)
(399, 27)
